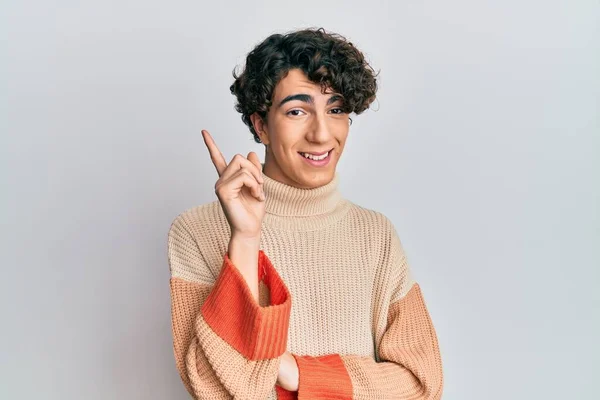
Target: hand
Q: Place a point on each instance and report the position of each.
(289, 375)
(239, 190)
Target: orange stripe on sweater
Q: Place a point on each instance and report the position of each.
(410, 366)
(323, 377)
(186, 300)
(232, 312)
(283, 394)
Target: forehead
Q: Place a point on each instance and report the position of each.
(294, 82)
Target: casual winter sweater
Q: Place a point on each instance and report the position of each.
(335, 290)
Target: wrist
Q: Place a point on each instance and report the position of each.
(245, 240)
(288, 376)
(243, 253)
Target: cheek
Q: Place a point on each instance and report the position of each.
(281, 146)
(286, 136)
(341, 133)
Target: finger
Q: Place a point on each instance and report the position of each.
(239, 162)
(253, 158)
(249, 170)
(236, 182)
(215, 154)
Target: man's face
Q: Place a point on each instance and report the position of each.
(301, 120)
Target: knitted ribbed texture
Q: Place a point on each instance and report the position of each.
(255, 332)
(336, 292)
(323, 377)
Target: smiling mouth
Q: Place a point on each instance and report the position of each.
(317, 156)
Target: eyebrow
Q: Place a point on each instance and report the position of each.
(307, 99)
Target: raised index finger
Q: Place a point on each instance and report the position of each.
(215, 154)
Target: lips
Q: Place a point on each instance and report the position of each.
(314, 154)
(317, 163)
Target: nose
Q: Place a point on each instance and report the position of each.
(319, 131)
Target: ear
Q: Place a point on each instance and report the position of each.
(260, 126)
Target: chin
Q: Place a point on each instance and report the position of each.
(316, 179)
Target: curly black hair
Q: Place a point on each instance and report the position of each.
(327, 58)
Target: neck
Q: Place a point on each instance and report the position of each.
(287, 200)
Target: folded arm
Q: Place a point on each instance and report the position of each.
(226, 344)
(409, 364)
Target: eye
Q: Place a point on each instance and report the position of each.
(337, 110)
(294, 113)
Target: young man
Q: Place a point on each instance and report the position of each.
(281, 288)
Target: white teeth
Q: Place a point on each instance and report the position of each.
(316, 158)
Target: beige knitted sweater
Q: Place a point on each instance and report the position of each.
(336, 291)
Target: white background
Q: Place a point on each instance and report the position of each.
(483, 149)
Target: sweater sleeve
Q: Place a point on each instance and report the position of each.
(226, 345)
(409, 364)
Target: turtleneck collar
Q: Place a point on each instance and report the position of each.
(290, 201)
(302, 209)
